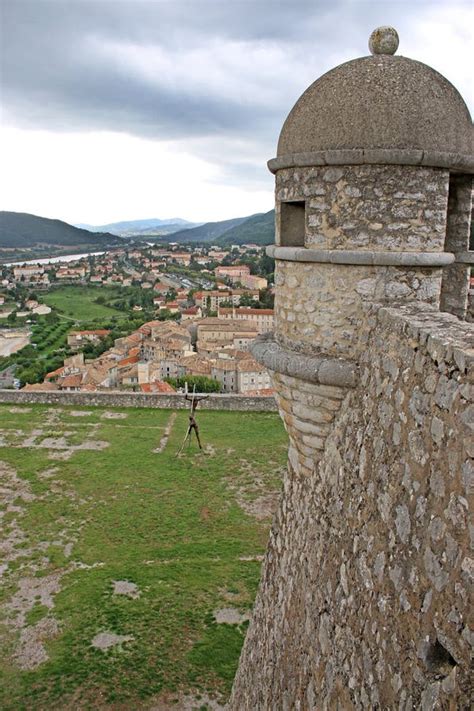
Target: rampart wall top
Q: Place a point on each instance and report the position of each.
(379, 109)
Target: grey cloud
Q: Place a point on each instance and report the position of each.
(70, 65)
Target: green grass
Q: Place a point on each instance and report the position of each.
(173, 526)
(77, 302)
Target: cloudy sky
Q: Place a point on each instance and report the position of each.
(128, 109)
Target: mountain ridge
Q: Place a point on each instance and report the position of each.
(258, 229)
(130, 228)
(22, 230)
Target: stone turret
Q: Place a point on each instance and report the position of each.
(373, 205)
(364, 595)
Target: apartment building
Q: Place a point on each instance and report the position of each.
(211, 300)
(240, 375)
(233, 272)
(252, 281)
(26, 272)
(263, 319)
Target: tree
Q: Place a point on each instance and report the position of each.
(202, 383)
(247, 300)
(51, 318)
(266, 299)
(167, 315)
(266, 265)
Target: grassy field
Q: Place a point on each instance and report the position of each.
(78, 302)
(129, 572)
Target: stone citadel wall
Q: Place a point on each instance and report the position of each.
(121, 399)
(364, 597)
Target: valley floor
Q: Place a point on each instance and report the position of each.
(127, 573)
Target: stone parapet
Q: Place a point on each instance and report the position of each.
(121, 399)
(364, 598)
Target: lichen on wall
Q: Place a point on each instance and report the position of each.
(386, 207)
(321, 305)
(364, 596)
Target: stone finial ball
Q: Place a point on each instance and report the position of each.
(383, 40)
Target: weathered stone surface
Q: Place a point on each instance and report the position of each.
(384, 40)
(325, 371)
(364, 599)
(379, 102)
(367, 207)
(369, 257)
(326, 312)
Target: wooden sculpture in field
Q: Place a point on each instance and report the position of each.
(193, 426)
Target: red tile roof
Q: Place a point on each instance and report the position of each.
(54, 373)
(128, 361)
(71, 381)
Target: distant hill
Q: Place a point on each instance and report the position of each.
(257, 229)
(20, 230)
(132, 228)
(209, 232)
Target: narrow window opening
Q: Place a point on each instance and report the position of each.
(455, 280)
(292, 224)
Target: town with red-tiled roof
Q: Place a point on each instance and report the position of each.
(200, 308)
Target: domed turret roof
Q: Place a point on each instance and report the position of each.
(381, 103)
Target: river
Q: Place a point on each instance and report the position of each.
(54, 260)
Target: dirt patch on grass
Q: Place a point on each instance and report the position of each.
(205, 514)
(261, 508)
(57, 442)
(53, 415)
(62, 444)
(251, 491)
(125, 587)
(230, 616)
(61, 456)
(166, 433)
(12, 490)
(81, 413)
(12, 487)
(235, 597)
(18, 410)
(48, 473)
(53, 443)
(32, 591)
(31, 651)
(92, 444)
(113, 415)
(105, 640)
